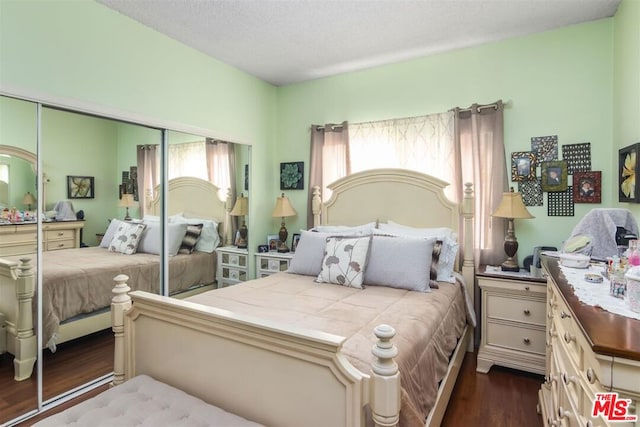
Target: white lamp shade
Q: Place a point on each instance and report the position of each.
(283, 208)
(127, 201)
(512, 206)
(241, 206)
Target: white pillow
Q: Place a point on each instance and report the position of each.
(343, 230)
(209, 238)
(307, 259)
(400, 262)
(405, 230)
(108, 235)
(126, 238)
(345, 261)
(151, 241)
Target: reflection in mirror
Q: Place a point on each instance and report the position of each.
(91, 165)
(18, 145)
(202, 186)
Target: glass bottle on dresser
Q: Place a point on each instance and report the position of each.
(633, 254)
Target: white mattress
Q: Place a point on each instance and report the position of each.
(143, 401)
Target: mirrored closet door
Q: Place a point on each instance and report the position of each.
(97, 173)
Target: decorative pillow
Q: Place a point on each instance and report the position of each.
(209, 238)
(433, 270)
(307, 259)
(447, 260)
(108, 235)
(190, 238)
(342, 230)
(126, 238)
(344, 261)
(399, 262)
(151, 242)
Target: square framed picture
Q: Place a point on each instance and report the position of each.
(628, 174)
(294, 241)
(292, 176)
(554, 176)
(80, 187)
(273, 241)
(587, 187)
(523, 166)
(263, 248)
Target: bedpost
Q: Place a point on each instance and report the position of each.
(316, 202)
(385, 379)
(227, 236)
(468, 263)
(25, 349)
(120, 303)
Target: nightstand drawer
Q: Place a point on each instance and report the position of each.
(59, 234)
(54, 245)
(234, 274)
(516, 338)
(236, 260)
(516, 309)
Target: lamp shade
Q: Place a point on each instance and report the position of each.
(127, 201)
(28, 199)
(241, 207)
(283, 208)
(512, 206)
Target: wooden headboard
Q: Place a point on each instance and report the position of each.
(195, 198)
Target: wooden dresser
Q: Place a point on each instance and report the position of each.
(20, 239)
(588, 351)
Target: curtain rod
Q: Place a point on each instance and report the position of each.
(482, 107)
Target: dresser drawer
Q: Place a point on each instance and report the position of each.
(18, 238)
(18, 249)
(517, 309)
(516, 338)
(54, 245)
(59, 235)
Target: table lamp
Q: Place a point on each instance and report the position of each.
(511, 207)
(28, 199)
(241, 208)
(283, 209)
(126, 202)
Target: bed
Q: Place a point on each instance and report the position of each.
(290, 371)
(77, 283)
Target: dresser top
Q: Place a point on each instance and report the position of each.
(608, 333)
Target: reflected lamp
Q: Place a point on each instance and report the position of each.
(511, 207)
(127, 202)
(241, 208)
(283, 209)
(28, 199)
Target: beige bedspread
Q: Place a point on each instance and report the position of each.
(427, 325)
(80, 281)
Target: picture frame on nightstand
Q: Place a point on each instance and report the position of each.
(273, 241)
(294, 241)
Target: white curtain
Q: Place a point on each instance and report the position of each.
(187, 159)
(425, 144)
(219, 158)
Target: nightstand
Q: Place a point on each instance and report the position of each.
(513, 311)
(233, 266)
(268, 263)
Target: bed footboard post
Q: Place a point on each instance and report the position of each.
(316, 202)
(25, 348)
(120, 303)
(468, 263)
(385, 380)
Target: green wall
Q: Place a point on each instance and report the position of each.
(83, 52)
(626, 86)
(555, 83)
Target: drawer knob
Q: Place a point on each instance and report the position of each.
(591, 376)
(551, 378)
(568, 337)
(551, 422)
(60, 233)
(564, 315)
(566, 378)
(526, 312)
(526, 288)
(589, 423)
(527, 341)
(562, 413)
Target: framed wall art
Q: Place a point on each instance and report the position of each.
(80, 187)
(292, 176)
(628, 174)
(587, 187)
(523, 166)
(554, 176)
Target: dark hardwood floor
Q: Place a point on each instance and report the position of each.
(501, 398)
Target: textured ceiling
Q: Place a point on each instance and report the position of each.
(286, 41)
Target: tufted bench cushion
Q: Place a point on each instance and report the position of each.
(143, 401)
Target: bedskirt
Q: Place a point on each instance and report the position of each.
(428, 325)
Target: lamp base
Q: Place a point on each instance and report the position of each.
(283, 235)
(510, 265)
(241, 238)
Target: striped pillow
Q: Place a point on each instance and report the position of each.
(190, 238)
(435, 257)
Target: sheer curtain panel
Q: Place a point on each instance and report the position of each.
(148, 174)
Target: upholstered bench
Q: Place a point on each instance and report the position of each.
(143, 401)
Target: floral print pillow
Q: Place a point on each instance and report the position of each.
(126, 238)
(344, 261)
